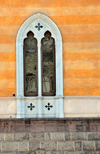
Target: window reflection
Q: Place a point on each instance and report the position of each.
(30, 51)
(48, 64)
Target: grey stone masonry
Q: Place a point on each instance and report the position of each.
(66, 136)
(50, 142)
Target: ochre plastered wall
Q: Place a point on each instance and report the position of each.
(79, 23)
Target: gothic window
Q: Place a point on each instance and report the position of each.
(39, 83)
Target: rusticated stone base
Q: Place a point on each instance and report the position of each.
(50, 136)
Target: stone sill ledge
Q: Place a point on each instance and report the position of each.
(52, 119)
(15, 97)
(33, 97)
(50, 125)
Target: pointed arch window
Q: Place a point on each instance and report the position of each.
(39, 68)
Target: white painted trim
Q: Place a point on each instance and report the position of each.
(29, 25)
(82, 106)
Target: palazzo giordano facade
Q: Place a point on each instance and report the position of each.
(50, 76)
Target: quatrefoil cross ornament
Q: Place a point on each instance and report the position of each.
(31, 106)
(48, 106)
(38, 26)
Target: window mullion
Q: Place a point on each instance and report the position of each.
(39, 69)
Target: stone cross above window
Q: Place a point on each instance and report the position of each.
(39, 26)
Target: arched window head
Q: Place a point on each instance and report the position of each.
(48, 65)
(47, 33)
(30, 65)
(30, 33)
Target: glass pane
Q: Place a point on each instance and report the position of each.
(31, 64)
(47, 43)
(48, 64)
(31, 87)
(48, 84)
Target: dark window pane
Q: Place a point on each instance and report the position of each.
(48, 84)
(47, 41)
(31, 87)
(30, 51)
(48, 72)
(48, 64)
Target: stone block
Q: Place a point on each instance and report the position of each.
(93, 128)
(9, 146)
(1, 136)
(79, 128)
(97, 144)
(71, 152)
(8, 153)
(72, 127)
(79, 136)
(94, 136)
(50, 128)
(25, 153)
(7, 103)
(78, 146)
(23, 145)
(0, 147)
(54, 152)
(37, 136)
(66, 128)
(57, 136)
(21, 136)
(47, 136)
(40, 152)
(88, 145)
(77, 106)
(65, 146)
(9, 137)
(87, 127)
(34, 145)
(67, 136)
(88, 152)
(21, 152)
(49, 145)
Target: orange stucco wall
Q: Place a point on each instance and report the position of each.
(79, 23)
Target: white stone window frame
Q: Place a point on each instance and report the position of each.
(29, 25)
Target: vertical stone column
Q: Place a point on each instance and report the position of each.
(39, 68)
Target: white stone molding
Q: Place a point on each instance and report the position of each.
(81, 106)
(29, 25)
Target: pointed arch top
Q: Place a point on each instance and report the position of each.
(30, 23)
